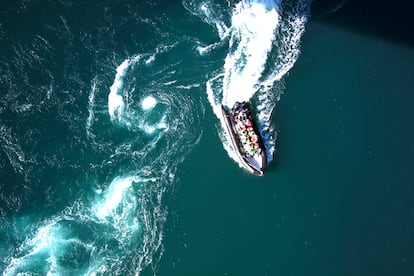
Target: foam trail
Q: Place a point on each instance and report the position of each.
(264, 44)
(253, 31)
(288, 42)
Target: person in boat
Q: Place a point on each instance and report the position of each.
(241, 126)
(237, 106)
(253, 138)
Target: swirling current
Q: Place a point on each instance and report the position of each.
(101, 101)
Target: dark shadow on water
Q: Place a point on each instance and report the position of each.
(390, 20)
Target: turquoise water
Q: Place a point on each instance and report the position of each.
(114, 160)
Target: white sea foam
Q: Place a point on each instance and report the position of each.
(91, 105)
(23, 108)
(150, 59)
(253, 31)
(252, 34)
(290, 34)
(214, 99)
(263, 47)
(114, 212)
(114, 196)
(13, 150)
(190, 86)
(120, 227)
(40, 243)
(211, 18)
(115, 100)
(151, 128)
(119, 102)
(148, 103)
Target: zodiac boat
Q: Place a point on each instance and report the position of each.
(245, 137)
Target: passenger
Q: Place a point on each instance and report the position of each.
(237, 106)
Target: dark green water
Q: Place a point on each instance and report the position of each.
(113, 161)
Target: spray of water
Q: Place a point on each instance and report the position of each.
(253, 31)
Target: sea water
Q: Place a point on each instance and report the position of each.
(114, 159)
